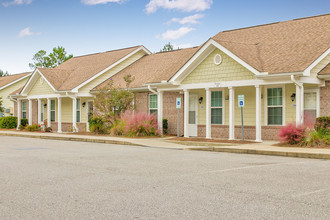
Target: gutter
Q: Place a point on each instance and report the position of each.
(295, 81)
(151, 90)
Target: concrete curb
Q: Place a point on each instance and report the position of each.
(265, 152)
(104, 141)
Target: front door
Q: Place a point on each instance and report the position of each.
(193, 115)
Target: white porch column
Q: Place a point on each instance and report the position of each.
(186, 112)
(298, 105)
(231, 113)
(59, 115)
(258, 114)
(74, 114)
(30, 111)
(48, 113)
(208, 113)
(19, 112)
(160, 111)
(302, 103)
(39, 111)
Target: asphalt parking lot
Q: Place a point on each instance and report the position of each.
(47, 179)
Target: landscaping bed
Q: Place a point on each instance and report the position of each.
(206, 140)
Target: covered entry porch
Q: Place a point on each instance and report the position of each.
(61, 113)
(211, 109)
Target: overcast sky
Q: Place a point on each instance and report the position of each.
(89, 26)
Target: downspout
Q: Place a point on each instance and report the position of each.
(151, 90)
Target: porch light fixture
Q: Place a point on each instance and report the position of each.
(293, 97)
(200, 100)
(84, 104)
(227, 97)
(45, 105)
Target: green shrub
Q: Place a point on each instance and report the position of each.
(33, 127)
(316, 138)
(97, 125)
(118, 128)
(24, 122)
(21, 127)
(165, 126)
(322, 122)
(8, 122)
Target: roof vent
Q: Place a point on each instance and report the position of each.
(42, 80)
(217, 59)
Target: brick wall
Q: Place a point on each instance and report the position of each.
(222, 131)
(67, 127)
(325, 99)
(169, 109)
(171, 113)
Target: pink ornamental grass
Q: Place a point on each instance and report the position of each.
(292, 134)
(140, 124)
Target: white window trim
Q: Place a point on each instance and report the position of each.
(50, 108)
(151, 94)
(24, 111)
(223, 105)
(78, 109)
(317, 90)
(283, 103)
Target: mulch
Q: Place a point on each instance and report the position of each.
(212, 140)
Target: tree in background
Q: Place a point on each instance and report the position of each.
(55, 58)
(167, 47)
(3, 73)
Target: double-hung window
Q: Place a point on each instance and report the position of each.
(78, 110)
(52, 110)
(216, 107)
(275, 106)
(153, 104)
(23, 109)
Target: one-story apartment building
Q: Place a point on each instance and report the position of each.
(8, 84)
(282, 69)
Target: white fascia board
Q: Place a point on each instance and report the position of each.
(110, 67)
(279, 75)
(220, 47)
(241, 83)
(181, 74)
(307, 71)
(36, 71)
(236, 58)
(17, 80)
(311, 80)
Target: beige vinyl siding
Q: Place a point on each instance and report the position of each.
(41, 88)
(111, 72)
(228, 70)
(84, 110)
(290, 107)
(66, 110)
(4, 93)
(320, 66)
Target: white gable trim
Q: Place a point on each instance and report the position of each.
(182, 73)
(307, 71)
(110, 67)
(17, 80)
(33, 79)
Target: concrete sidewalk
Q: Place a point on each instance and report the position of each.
(264, 148)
